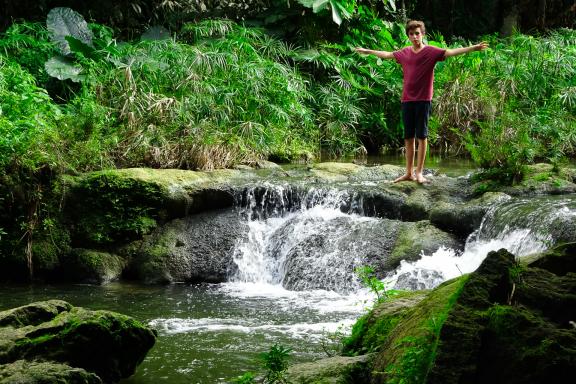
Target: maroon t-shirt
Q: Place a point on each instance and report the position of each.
(418, 71)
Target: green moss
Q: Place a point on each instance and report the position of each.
(107, 207)
(409, 350)
(371, 330)
(36, 340)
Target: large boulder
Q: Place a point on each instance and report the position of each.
(91, 266)
(197, 248)
(105, 343)
(325, 255)
(504, 323)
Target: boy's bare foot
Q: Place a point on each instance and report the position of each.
(421, 179)
(405, 177)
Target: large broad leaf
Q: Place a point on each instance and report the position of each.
(62, 22)
(63, 69)
(338, 7)
(78, 46)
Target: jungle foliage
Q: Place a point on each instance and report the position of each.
(215, 93)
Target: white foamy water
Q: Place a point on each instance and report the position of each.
(306, 331)
(521, 226)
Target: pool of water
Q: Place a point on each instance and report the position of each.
(211, 333)
(448, 165)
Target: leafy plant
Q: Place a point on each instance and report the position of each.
(368, 277)
(246, 378)
(70, 32)
(275, 362)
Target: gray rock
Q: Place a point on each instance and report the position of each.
(333, 370)
(36, 372)
(197, 248)
(328, 252)
(464, 218)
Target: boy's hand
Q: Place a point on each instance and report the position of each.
(363, 51)
(481, 46)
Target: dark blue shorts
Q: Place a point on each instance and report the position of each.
(415, 115)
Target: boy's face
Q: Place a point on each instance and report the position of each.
(415, 35)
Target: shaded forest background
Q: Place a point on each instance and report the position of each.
(449, 17)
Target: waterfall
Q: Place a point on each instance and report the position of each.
(300, 238)
(305, 238)
(523, 226)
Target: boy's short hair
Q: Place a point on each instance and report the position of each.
(413, 24)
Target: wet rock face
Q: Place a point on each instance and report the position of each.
(418, 280)
(106, 344)
(328, 251)
(197, 248)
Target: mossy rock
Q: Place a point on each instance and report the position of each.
(559, 260)
(118, 206)
(408, 350)
(464, 218)
(91, 266)
(37, 372)
(539, 179)
(381, 173)
(333, 172)
(335, 370)
(108, 344)
(372, 330)
(33, 314)
(417, 237)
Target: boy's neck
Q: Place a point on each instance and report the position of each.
(417, 47)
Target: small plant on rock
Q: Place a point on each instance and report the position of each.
(368, 277)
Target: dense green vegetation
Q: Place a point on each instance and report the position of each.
(216, 93)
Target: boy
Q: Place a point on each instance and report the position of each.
(418, 61)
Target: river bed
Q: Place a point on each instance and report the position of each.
(211, 333)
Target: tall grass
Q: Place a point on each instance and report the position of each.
(512, 105)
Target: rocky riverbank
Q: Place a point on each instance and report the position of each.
(507, 322)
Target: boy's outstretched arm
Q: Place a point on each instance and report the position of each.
(380, 54)
(459, 51)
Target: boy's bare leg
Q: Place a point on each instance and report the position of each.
(422, 144)
(409, 144)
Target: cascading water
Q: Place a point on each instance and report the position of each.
(523, 226)
(303, 242)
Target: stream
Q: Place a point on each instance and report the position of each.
(211, 333)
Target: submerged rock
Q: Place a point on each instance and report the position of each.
(107, 344)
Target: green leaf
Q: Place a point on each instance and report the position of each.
(62, 22)
(63, 69)
(78, 46)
